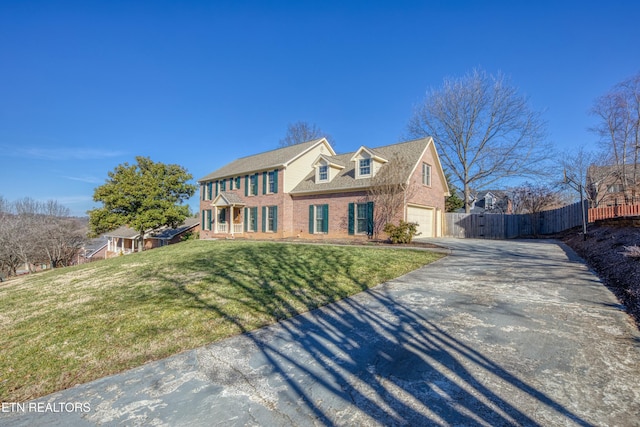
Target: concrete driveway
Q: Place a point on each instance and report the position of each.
(498, 333)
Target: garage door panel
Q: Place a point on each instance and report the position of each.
(424, 218)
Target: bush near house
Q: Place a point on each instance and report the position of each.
(401, 233)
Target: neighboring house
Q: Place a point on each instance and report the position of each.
(490, 201)
(307, 190)
(125, 240)
(93, 250)
(606, 185)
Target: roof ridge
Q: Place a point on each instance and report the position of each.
(280, 148)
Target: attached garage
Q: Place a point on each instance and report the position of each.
(425, 217)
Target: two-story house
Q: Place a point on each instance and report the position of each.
(307, 190)
(613, 185)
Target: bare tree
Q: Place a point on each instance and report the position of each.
(618, 112)
(389, 191)
(532, 199)
(33, 232)
(578, 167)
(485, 130)
(301, 131)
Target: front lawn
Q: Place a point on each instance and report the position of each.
(70, 326)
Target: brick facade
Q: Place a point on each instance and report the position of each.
(293, 213)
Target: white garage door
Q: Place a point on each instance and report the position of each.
(424, 218)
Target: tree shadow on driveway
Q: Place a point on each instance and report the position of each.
(372, 358)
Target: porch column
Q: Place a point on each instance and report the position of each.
(214, 220)
(231, 220)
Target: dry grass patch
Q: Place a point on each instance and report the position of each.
(71, 326)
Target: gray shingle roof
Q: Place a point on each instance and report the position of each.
(126, 232)
(232, 198)
(123, 232)
(346, 178)
(169, 233)
(262, 161)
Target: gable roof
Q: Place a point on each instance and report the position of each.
(227, 199)
(93, 246)
(267, 160)
(346, 179)
(170, 233)
(126, 232)
(331, 161)
(374, 153)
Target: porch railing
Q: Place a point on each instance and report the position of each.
(224, 228)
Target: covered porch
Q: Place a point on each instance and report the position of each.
(228, 214)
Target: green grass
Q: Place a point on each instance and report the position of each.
(70, 326)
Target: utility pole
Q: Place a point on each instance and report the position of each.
(578, 186)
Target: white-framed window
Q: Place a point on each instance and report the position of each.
(364, 167)
(319, 219)
(615, 188)
(206, 219)
(254, 185)
(426, 174)
(207, 190)
(252, 219)
(271, 218)
(271, 181)
(323, 173)
(361, 218)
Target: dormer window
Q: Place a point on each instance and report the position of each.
(364, 167)
(323, 173)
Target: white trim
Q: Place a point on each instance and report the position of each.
(320, 141)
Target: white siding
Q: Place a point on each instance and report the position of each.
(297, 170)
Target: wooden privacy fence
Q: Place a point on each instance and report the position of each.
(503, 226)
(613, 212)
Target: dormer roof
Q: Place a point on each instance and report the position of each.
(374, 154)
(330, 160)
(346, 180)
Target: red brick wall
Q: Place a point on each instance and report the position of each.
(433, 195)
(338, 213)
(293, 212)
(275, 199)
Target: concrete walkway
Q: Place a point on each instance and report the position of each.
(498, 333)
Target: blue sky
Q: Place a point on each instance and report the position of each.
(85, 86)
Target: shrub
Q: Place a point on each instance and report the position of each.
(191, 235)
(401, 233)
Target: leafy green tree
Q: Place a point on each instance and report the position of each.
(453, 202)
(145, 196)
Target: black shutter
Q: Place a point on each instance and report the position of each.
(369, 218)
(275, 181)
(255, 218)
(275, 218)
(325, 219)
(264, 182)
(351, 217)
